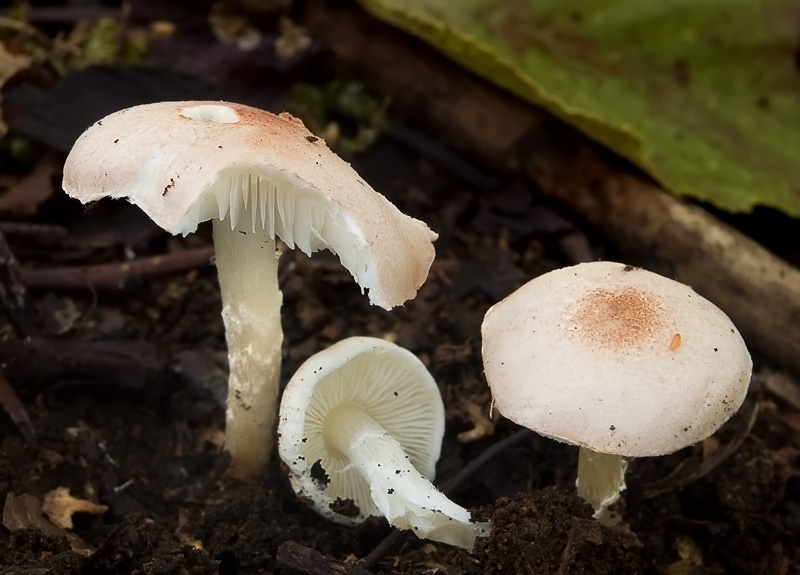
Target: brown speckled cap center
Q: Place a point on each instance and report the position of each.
(617, 320)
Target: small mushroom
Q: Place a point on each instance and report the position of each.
(618, 360)
(258, 176)
(360, 429)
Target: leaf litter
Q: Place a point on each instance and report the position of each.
(146, 437)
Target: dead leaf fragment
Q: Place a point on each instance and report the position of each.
(25, 512)
(293, 40)
(482, 424)
(24, 196)
(183, 532)
(10, 65)
(59, 506)
(691, 559)
(233, 27)
(780, 384)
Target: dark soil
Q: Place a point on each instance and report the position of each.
(125, 391)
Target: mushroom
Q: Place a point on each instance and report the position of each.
(258, 176)
(618, 360)
(360, 428)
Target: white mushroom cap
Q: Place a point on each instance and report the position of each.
(188, 162)
(615, 359)
(362, 422)
(391, 384)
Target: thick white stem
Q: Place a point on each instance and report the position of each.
(247, 264)
(404, 496)
(601, 479)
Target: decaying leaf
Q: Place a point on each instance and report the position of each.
(23, 197)
(59, 506)
(182, 531)
(10, 65)
(703, 95)
(25, 512)
(691, 558)
(482, 423)
(292, 41)
(780, 384)
(233, 27)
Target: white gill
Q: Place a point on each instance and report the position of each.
(301, 218)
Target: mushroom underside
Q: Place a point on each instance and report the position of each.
(283, 207)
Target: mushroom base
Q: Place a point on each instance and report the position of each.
(404, 496)
(247, 264)
(601, 479)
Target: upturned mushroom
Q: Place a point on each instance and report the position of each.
(360, 428)
(618, 360)
(258, 176)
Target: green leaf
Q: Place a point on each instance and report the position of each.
(702, 94)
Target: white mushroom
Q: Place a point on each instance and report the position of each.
(617, 360)
(360, 428)
(258, 176)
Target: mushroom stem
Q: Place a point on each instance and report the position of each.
(247, 264)
(403, 495)
(601, 478)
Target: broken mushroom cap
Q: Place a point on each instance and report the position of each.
(361, 426)
(257, 176)
(188, 162)
(615, 359)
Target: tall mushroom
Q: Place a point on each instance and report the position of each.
(360, 429)
(618, 360)
(258, 176)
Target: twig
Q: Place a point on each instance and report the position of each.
(41, 232)
(487, 455)
(303, 559)
(117, 276)
(14, 299)
(442, 156)
(39, 364)
(16, 411)
(566, 555)
(383, 548)
(681, 477)
(13, 295)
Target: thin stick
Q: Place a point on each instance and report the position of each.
(13, 294)
(485, 457)
(116, 276)
(16, 411)
(296, 557)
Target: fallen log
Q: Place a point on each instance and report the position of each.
(757, 289)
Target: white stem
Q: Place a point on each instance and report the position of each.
(601, 479)
(404, 496)
(247, 264)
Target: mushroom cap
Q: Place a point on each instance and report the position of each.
(387, 381)
(615, 359)
(187, 162)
